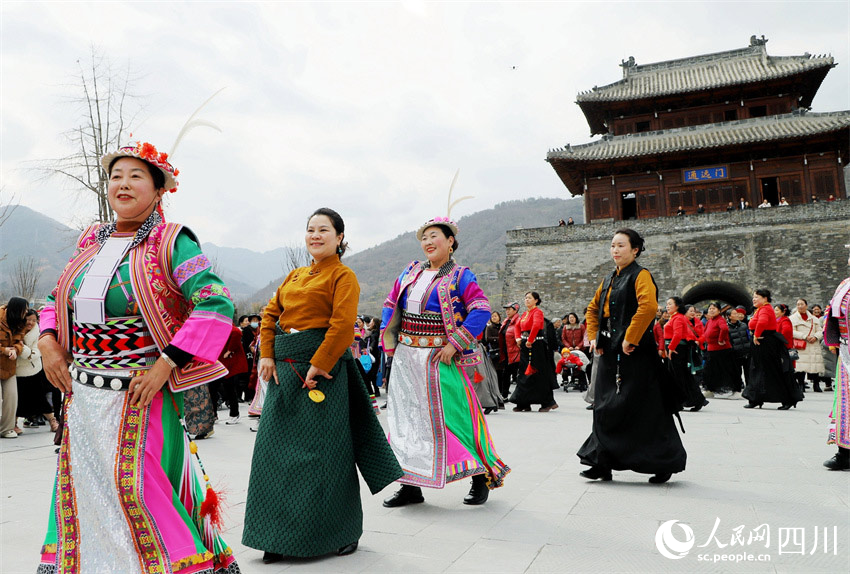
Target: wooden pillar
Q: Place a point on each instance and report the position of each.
(753, 187)
(662, 196)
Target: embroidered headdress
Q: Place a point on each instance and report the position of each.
(146, 152)
(447, 220)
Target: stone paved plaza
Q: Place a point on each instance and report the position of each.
(756, 471)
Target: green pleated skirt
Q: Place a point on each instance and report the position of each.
(304, 492)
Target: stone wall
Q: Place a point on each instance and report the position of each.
(793, 251)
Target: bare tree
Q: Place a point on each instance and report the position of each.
(294, 255)
(103, 97)
(25, 278)
(7, 206)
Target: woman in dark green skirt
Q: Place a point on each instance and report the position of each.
(318, 421)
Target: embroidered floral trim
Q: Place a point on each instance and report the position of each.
(208, 291)
(191, 561)
(478, 304)
(105, 231)
(190, 268)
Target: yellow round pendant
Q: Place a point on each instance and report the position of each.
(316, 395)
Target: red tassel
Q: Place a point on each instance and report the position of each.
(477, 378)
(529, 370)
(212, 508)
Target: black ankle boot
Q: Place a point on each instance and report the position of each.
(596, 473)
(840, 461)
(348, 549)
(479, 492)
(271, 557)
(405, 495)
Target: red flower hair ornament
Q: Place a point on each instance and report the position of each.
(146, 152)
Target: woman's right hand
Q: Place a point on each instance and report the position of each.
(266, 370)
(55, 361)
(593, 348)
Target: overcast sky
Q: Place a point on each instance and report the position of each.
(368, 108)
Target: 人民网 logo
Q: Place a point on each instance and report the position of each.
(671, 547)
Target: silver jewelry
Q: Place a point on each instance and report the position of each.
(168, 360)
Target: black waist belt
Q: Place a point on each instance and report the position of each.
(100, 380)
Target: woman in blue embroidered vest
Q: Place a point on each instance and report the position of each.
(140, 317)
(430, 321)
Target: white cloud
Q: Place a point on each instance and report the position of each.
(365, 107)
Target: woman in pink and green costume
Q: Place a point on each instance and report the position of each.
(136, 318)
(430, 322)
(836, 335)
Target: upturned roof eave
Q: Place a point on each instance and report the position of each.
(564, 156)
(598, 95)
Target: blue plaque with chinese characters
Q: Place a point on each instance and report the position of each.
(705, 174)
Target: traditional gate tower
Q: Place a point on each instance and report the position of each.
(712, 130)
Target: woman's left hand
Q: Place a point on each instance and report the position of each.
(812, 339)
(310, 381)
(144, 387)
(446, 353)
(529, 343)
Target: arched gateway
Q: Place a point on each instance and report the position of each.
(796, 251)
(721, 291)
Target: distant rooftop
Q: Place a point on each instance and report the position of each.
(771, 128)
(708, 71)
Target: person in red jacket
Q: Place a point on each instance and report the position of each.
(572, 334)
(771, 371)
(658, 333)
(508, 349)
(719, 374)
(697, 328)
(234, 359)
(679, 341)
(783, 324)
(536, 368)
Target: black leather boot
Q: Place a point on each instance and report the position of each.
(597, 473)
(271, 557)
(348, 549)
(405, 495)
(838, 462)
(479, 492)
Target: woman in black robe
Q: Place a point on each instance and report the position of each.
(632, 430)
(536, 368)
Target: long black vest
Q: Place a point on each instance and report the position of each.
(622, 307)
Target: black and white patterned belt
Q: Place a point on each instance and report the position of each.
(426, 324)
(101, 380)
(525, 335)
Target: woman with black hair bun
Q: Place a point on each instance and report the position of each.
(536, 368)
(771, 369)
(632, 430)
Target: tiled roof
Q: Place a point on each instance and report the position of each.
(770, 128)
(733, 67)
